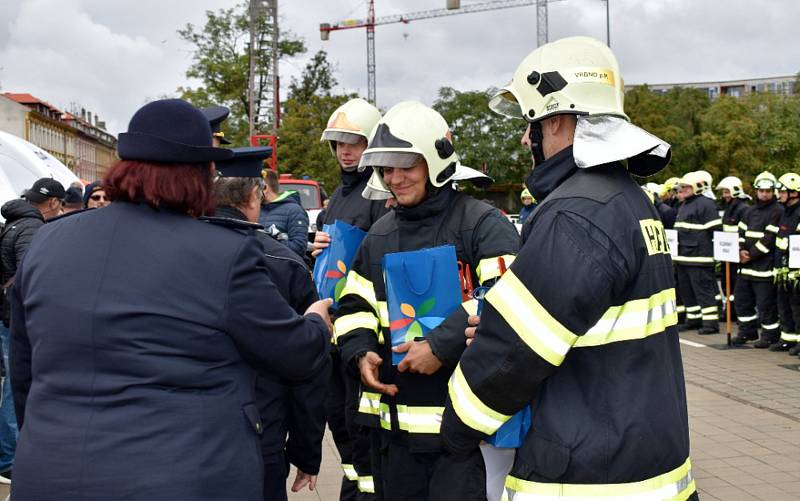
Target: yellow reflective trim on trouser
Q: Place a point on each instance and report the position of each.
(530, 320)
(693, 259)
(361, 287)
(386, 416)
(369, 403)
(471, 307)
(470, 409)
(636, 319)
(489, 268)
(415, 419)
(763, 248)
(350, 472)
(709, 309)
(770, 327)
(790, 337)
(676, 485)
(366, 484)
(755, 273)
(749, 318)
(359, 320)
(680, 309)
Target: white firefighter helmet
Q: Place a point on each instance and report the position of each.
(408, 132)
(765, 181)
(351, 122)
(578, 75)
(789, 182)
(732, 184)
(696, 180)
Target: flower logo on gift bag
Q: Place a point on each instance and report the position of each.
(340, 273)
(416, 319)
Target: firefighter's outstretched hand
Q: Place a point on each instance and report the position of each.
(321, 241)
(368, 365)
(419, 358)
(469, 332)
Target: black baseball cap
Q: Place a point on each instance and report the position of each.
(44, 188)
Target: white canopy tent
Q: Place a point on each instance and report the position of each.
(22, 163)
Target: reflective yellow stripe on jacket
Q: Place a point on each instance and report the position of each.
(470, 409)
(530, 320)
(635, 319)
(731, 228)
(370, 403)
(415, 419)
(690, 259)
(676, 485)
(683, 225)
(353, 321)
(489, 268)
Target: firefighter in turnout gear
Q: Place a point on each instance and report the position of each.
(786, 280)
(755, 289)
(697, 220)
(735, 208)
(347, 134)
(596, 358)
(412, 151)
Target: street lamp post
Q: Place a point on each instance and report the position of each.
(608, 25)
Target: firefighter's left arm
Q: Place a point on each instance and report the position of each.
(560, 285)
(766, 242)
(494, 237)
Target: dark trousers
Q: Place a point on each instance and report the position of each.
(433, 476)
(698, 288)
(756, 304)
(787, 319)
(276, 470)
(731, 300)
(352, 441)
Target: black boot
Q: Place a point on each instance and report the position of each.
(740, 339)
(763, 343)
(709, 327)
(781, 346)
(794, 350)
(688, 327)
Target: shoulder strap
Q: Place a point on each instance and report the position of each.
(463, 217)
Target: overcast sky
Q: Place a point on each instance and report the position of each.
(110, 56)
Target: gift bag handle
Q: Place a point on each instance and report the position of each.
(408, 282)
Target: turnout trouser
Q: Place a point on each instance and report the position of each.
(432, 476)
(698, 289)
(337, 422)
(787, 319)
(756, 305)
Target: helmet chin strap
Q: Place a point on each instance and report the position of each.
(535, 136)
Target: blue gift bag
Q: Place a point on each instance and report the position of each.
(422, 289)
(333, 263)
(512, 433)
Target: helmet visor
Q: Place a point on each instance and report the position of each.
(764, 184)
(342, 137)
(395, 159)
(505, 103)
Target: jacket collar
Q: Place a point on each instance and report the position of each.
(547, 176)
(352, 179)
(437, 202)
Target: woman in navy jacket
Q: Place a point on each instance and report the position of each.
(136, 328)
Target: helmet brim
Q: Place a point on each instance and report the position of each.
(394, 159)
(506, 103)
(342, 137)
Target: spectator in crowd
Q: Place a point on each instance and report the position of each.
(95, 196)
(144, 382)
(73, 200)
(23, 220)
(283, 216)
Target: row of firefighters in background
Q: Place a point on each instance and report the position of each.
(765, 294)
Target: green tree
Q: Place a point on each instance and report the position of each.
(311, 101)
(483, 139)
(221, 62)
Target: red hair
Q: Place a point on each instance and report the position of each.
(186, 188)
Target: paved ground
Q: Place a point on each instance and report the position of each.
(744, 412)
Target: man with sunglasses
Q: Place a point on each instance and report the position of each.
(95, 197)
